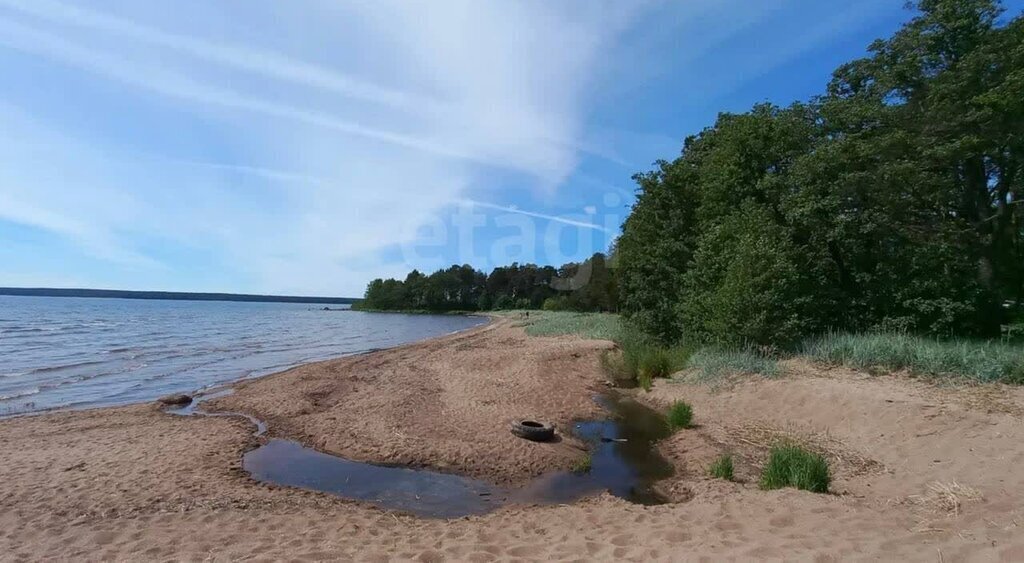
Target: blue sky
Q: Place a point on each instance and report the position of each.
(305, 147)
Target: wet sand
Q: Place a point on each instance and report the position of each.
(922, 473)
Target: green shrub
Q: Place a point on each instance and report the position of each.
(556, 304)
(722, 468)
(749, 283)
(983, 361)
(643, 354)
(680, 415)
(504, 303)
(713, 363)
(640, 358)
(655, 363)
(792, 466)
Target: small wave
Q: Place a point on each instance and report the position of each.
(50, 369)
(119, 350)
(21, 329)
(19, 394)
(14, 374)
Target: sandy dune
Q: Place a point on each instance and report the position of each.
(922, 473)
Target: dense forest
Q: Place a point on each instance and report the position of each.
(586, 286)
(893, 201)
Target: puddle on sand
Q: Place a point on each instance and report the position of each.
(623, 458)
(421, 492)
(623, 461)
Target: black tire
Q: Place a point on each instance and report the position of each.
(533, 430)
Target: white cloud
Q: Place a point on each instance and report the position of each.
(484, 87)
(262, 61)
(323, 131)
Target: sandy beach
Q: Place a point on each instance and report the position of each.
(921, 472)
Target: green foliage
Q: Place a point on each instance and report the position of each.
(722, 468)
(654, 363)
(504, 303)
(680, 415)
(657, 240)
(586, 286)
(556, 304)
(641, 358)
(582, 465)
(792, 466)
(714, 363)
(983, 361)
(748, 284)
(891, 201)
(645, 381)
(600, 326)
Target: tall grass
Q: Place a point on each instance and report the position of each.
(722, 468)
(642, 358)
(713, 363)
(792, 466)
(639, 357)
(601, 326)
(983, 361)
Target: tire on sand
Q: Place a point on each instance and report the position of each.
(533, 430)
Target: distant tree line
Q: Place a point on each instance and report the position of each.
(586, 286)
(893, 201)
(170, 295)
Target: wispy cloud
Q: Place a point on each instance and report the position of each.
(289, 145)
(33, 41)
(247, 58)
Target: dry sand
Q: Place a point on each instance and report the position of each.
(922, 473)
(446, 402)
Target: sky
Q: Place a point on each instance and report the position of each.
(308, 146)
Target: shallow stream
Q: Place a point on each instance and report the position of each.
(624, 462)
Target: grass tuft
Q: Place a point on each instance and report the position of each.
(644, 381)
(642, 359)
(680, 415)
(715, 363)
(582, 465)
(792, 466)
(722, 468)
(981, 361)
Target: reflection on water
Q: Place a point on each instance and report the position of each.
(427, 493)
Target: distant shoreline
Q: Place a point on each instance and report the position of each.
(171, 295)
(454, 312)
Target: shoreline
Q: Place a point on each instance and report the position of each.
(409, 389)
(232, 383)
(137, 483)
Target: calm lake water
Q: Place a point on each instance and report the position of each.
(77, 352)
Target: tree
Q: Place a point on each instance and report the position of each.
(893, 200)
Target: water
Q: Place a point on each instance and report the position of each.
(623, 462)
(80, 352)
(623, 459)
